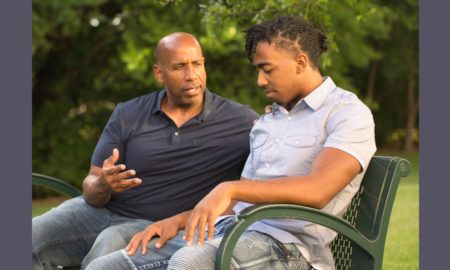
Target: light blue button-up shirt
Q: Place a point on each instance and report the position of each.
(285, 143)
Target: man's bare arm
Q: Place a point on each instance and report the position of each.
(330, 172)
(100, 183)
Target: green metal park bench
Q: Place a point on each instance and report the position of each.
(55, 184)
(59, 186)
(361, 232)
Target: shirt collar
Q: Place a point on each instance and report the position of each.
(156, 108)
(207, 106)
(317, 97)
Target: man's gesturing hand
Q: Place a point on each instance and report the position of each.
(115, 177)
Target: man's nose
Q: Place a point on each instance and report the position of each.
(261, 79)
(189, 73)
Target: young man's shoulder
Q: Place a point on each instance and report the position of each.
(347, 100)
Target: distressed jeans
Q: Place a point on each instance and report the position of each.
(254, 250)
(75, 233)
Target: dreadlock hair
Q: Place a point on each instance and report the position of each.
(290, 33)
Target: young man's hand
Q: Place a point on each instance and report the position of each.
(206, 212)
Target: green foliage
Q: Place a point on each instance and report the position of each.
(359, 34)
(351, 27)
(87, 57)
(90, 55)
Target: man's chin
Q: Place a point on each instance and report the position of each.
(192, 100)
(274, 99)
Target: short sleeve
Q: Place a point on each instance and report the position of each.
(351, 129)
(111, 138)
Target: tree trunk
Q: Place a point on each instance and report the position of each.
(412, 112)
(371, 80)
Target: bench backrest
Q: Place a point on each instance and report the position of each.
(370, 211)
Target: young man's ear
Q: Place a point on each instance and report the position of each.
(158, 73)
(302, 62)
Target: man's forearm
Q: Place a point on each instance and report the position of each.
(287, 190)
(331, 171)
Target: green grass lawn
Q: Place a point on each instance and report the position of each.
(43, 205)
(402, 243)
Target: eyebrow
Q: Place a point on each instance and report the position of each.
(263, 64)
(189, 61)
(177, 63)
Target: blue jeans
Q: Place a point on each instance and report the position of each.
(75, 233)
(254, 250)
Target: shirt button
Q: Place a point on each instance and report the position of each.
(289, 118)
(277, 140)
(176, 133)
(267, 165)
(297, 142)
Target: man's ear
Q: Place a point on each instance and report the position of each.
(302, 62)
(158, 73)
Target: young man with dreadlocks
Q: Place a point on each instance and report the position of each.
(312, 149)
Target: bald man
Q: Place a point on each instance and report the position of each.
(157, 157)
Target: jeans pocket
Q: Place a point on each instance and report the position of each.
(222, 226)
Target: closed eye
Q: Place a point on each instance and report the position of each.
(266, 70)
(265, 67)
(178, 66)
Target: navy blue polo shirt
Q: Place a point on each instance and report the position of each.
(178, 166)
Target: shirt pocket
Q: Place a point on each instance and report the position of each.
(259, 141)
(299, 151)
(209, 142)
(259, 147)
(301, 141)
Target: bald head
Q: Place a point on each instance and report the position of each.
(180, 67)
(173, 42)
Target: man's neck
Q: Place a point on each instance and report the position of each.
(314, 80)
(180, 114)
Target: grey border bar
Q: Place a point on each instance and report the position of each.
(15, 132)
(434, 134)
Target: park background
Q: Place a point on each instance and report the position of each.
(88, 55)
